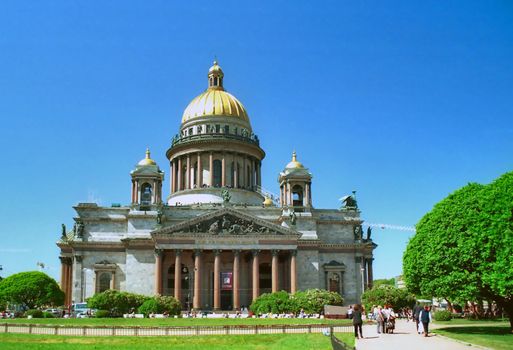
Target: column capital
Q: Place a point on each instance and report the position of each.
(178, 252)
(255, 252)
(217, 252)
(236, 252)
(197, 252)
(275, 252)
(66, 260)
(159, 252)
(293, 252)
(78, 258)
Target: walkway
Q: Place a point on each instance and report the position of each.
(404, 337)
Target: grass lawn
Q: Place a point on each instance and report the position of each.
(466, 322)
(253, 342)
(149, 322)
(490, 336)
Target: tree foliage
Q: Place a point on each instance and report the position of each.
(159, 305)
(387, 281)
(116, 302)
(463, 248)
(32, 289)
(387, 295)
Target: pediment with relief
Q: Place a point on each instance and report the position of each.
(226, 221)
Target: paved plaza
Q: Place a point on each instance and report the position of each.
(405, 337)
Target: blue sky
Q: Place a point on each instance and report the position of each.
(402, 101)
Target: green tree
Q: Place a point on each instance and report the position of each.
(463, 248)
(33, 289)
(386, 294)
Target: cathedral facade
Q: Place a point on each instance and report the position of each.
(218, 240)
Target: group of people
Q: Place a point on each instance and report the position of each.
(385, 318)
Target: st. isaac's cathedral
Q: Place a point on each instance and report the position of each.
(218, 240)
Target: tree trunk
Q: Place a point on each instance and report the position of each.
(449, 306)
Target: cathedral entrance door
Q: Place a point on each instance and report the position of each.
(226, 290)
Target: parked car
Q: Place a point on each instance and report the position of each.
(54, 312)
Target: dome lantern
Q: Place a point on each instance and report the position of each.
(215, 77)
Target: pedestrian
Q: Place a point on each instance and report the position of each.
(357, 321)
(380, 319)
(425, 318)
(350, 312)
(416, 311)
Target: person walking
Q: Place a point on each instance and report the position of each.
(357, 321)
(416, 311)
(425, 318)
(380, 319)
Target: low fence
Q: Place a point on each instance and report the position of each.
(169, 331)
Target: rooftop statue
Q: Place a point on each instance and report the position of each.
(63, 233)
(293, 217)
(349, 202)
(369, 233)
(226, 196)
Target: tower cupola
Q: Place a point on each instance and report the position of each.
(295, 186)
(147, 181)
(215, 77)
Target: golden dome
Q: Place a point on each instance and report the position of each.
(267, 202)
(147, 160)
(215, 101)
(294, 164)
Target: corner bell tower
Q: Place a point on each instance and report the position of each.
(295, 186)
(147, 182)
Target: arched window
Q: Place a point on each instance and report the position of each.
(217, 173)
(104, 284)
(297, 196)
(146, 194)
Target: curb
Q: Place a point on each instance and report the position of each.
(462, 342)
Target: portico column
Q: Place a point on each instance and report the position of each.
(158, 271)
(236, 283)
(223, 171)
(179, 174)
(199, 180)
(178, 274)
(69, 280)
(196, 302)
(256, 274)
(306, 199)
(211, 167)
(217, 273)
(63, 272)
(274, 270)
(293, 283)
(136, 191)
(259, 179)
(370, 279)
(171, 177)
(235, 172)
(188, 184)
(245, 172)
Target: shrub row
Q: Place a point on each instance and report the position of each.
(113, 303)
(311, 301)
